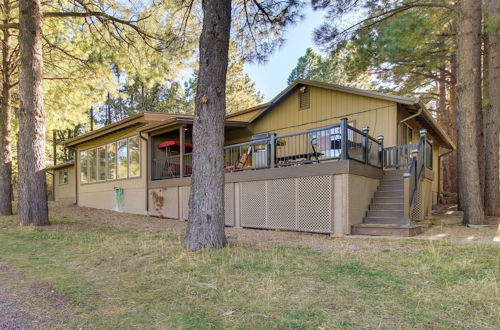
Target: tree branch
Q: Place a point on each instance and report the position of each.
(101, 15)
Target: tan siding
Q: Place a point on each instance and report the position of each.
(245, 116)
(65, 192)
(327, 108)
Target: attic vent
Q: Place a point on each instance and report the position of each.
(304, 98)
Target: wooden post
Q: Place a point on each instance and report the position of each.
(182, 139)
(423, 134)
(406, 195)
(365, 130)
(272, 159)
(380, 139)
(344, 139)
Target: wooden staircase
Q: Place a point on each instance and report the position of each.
(385, 215)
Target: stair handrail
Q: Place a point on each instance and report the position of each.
(413, 176)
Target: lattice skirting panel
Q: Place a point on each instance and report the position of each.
(417, 212)
(228, 205)
(423, 204)
(302, 204)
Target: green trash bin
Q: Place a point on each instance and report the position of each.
(118, 199)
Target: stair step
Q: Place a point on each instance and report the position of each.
(384, 213)
(386, 206)
(397, 220)
(393, 193)
(384, 200)
(394, 172)
(393, 182)
(392, 178)
(386, 230)
(390, 188)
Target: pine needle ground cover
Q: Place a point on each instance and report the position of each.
(128, 278)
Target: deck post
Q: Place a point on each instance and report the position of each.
(406, 195)
(364, 144)
(272, 158)
(344, 139)
(182, 138)
(380, 140)
(423, 138)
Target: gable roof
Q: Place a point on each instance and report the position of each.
(425, 118)
(157, 120)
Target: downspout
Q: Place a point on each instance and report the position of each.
(146, 172)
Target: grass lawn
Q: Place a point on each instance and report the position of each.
(128, 278)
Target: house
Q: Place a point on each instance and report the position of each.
(318, 158)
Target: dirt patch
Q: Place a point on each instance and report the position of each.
(26, 304)
(236, 236)
(445, 226)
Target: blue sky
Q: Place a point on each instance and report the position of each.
(270, 77)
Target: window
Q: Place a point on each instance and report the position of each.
(117, 160)
(111, 152)
(406, 134)
(101, 162)
(63, 176)
(304, 98)
(92, 161)
(83, 167)
(133, 157)
(121, 158)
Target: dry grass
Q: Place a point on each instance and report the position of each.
(132, 278)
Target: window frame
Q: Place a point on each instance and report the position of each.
(118, 159)
(84, 157)
(100, 148)
(66, 181)
(138, 156)
(107, 161)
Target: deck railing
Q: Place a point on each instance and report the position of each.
(166, 167)
(399, 156)
(420, 159)
(333, 142)
(187, 164)
(340, 141)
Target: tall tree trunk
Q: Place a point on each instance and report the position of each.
(468, 93)
(32, 201)
(492, 113)
(206, 202)
(450, 167)
(6, 118)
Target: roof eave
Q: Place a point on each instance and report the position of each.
(449, 144)
(133, 120)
